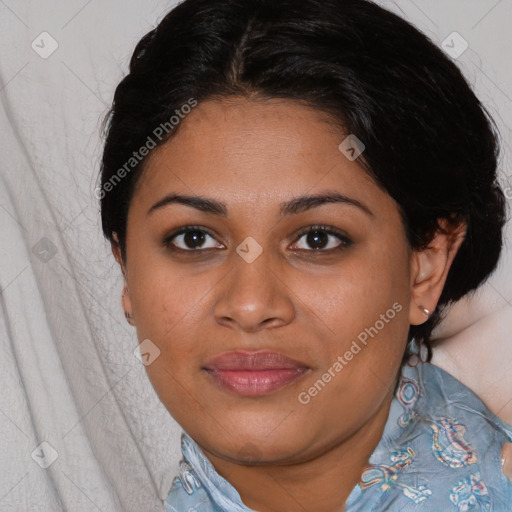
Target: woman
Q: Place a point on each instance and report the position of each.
(295, 191)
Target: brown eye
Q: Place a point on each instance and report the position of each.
(321, 239)
(194, 239)
(191, 239)
(317, 239)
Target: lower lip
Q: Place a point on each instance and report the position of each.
(255, 382)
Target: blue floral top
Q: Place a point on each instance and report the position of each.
(440, 451)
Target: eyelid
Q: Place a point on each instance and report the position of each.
(330, 230)
(184, 229)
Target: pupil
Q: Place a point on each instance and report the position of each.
(192, 238)
(317, 239)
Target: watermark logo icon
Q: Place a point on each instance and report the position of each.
(250, 453)
(44, 45)
(249, 249)
(454, 45)
(146, 352)
(352, 147)
(45, 249)
(45, 455)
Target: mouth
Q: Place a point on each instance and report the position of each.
(254, 373)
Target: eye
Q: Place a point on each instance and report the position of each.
(318, 238)
(191, 238)
(321, 238)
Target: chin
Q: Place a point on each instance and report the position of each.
(255, 448)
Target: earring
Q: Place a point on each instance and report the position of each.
(426, 311)
(129, 317)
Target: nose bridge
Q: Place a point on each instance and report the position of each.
(253, 293)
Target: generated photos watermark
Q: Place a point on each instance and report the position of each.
(304, 397)
(137, 156)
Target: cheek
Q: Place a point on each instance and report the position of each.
(170, 307)
(177, 390)
(366, 314)
(166, 300)
(361, 311)
(167, 308)
(348, 298)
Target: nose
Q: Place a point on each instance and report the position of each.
(253, 296)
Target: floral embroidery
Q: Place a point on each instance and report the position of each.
(407, 394)
(448, 443)
(470, 493)
(387, 475)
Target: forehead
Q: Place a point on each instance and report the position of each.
(254, 152)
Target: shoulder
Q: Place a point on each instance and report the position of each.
(441, 448)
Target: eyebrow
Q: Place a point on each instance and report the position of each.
(292, 207)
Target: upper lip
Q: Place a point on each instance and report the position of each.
(253, 361)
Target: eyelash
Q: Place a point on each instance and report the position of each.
(345, 241)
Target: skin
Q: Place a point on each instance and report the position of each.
(307, 303)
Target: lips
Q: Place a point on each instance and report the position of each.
(254, 373)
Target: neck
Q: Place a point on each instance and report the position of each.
(320, 484)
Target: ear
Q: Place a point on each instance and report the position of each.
(116, 251)
(126, 298)
(429, 269)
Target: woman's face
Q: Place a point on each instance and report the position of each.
(271, 334)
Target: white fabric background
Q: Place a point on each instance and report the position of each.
(67, 371)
